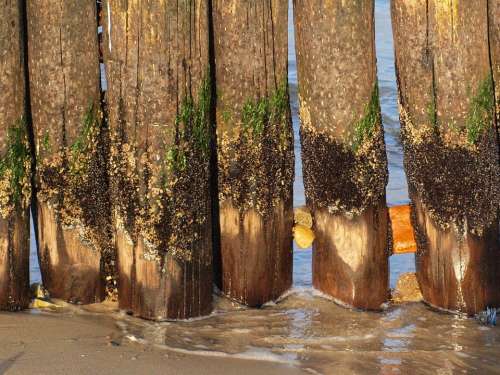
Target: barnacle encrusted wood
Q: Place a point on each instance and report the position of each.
(343, 149)
(15, 162)
(447, 107)
(73, 215)
(159, 109)
(255, 148)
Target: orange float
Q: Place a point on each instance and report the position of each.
(403, 238)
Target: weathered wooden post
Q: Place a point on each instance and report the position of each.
(255, 148)
(159, 98)
(15, 161)
(74, 221)
(447, 106)
(344, 161)
(494, 46)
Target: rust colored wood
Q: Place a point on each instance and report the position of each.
(349, 260)
(343, 150)
(447, 107)
(15, 161)
(159, 99)
(255, 149)
(74, 221)
(403, 238)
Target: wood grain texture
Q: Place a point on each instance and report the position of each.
(255, 149)
(494, 47)
(15, 192)
(73, 204)
(159, 97)
(350, 258)
(447, 105)
(344, 161)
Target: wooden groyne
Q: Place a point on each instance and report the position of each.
(15, 161)
(73, 217)
(159, 101)
(344, 161)
(180, 174)
(255, 149)
(444, 55)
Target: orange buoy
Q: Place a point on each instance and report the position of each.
(403, 238)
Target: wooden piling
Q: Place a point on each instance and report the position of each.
(447, 107)
(159, 99)
(73, 217)
(494, 48)
(343, 150)
(255, 149)
(15, 161)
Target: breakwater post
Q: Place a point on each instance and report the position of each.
(447, 108)
(73, 217)
(255, 149)
(15, 161)
(343, 149)
(159, 99)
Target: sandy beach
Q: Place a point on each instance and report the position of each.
(48, 343)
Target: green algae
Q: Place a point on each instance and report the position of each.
(482, 107)
(257, 113)
(84, 143)
(46, 144)
(364, 128)
(432, 112)
(15, 167)
(192, 127)
(256, 162)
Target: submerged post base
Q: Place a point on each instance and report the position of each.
(175, 290)
(350, 257)
(457, 271)
(69, 263)
(257, 257)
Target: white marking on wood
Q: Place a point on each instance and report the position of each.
(109, 26)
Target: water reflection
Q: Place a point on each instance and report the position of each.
(312, 332)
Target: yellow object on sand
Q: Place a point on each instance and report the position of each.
(407, 289)
(38, 303)
(304, 236)
(303, 216)
(38, 291)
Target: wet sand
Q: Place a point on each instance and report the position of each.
(73, 343)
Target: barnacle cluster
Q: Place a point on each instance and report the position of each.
(345, 175)
(458, 182)
(72, 181)
(163, 200)
(256, 160)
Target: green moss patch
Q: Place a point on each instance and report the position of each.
(364, 128)
(481, 111)
(256, 163)
(15, 169)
